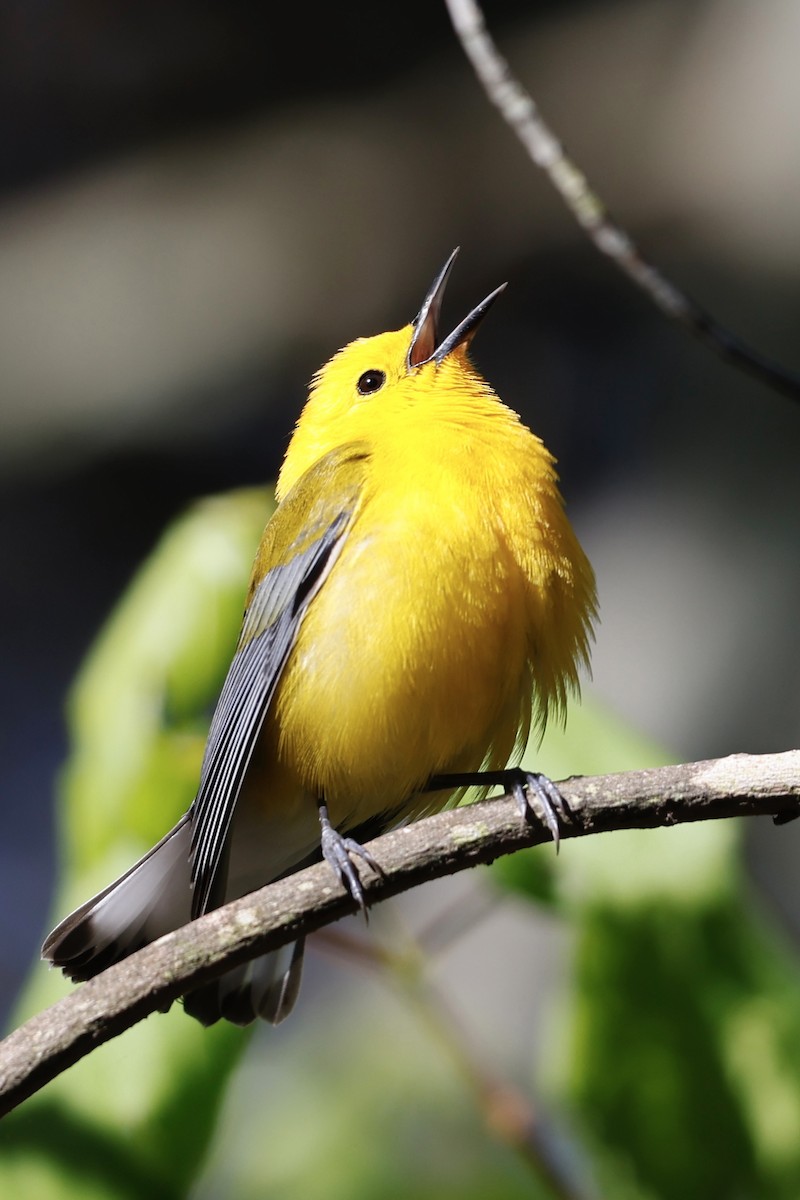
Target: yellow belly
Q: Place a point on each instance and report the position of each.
(459, 586)
(427, 672)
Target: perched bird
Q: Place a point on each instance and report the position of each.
(418, 601)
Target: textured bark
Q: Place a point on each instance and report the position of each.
(97, 1011)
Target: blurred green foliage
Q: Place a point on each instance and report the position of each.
(671, 1057)
(132, 1119)
(682, 1054)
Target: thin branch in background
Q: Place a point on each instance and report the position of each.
(347, 947)
(509, 1115)
(545, 150)
(440, 845)
(460, 917)
(403, 961)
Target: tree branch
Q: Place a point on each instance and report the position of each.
(440, 845)
(520, 112)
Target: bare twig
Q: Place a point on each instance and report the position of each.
(440, 845)
(509, 1114)
(546, 151)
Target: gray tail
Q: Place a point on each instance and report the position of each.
(267, 988)
(151, 899)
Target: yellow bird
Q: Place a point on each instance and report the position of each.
(417, 602)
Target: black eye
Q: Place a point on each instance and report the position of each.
(371, 381)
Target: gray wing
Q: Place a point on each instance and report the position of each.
(273, 619)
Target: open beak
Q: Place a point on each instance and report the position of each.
(425, 344)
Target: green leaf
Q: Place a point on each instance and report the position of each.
(679, 1045)
(685, 1054)
(139, 709)
(134, 1117)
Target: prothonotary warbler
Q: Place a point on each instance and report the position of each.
(418, 601)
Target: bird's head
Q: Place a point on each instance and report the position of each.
(373, 379)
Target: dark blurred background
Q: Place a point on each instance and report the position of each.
(200, 202)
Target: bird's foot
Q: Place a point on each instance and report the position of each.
(339, 852)
(537, 796)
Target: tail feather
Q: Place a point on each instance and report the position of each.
(151, 899)
(267, 987)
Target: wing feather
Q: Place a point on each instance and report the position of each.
(274, 616)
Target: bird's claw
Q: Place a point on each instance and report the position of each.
(338, 852)
(533, 787)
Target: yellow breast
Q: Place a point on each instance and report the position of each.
(460, 592)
